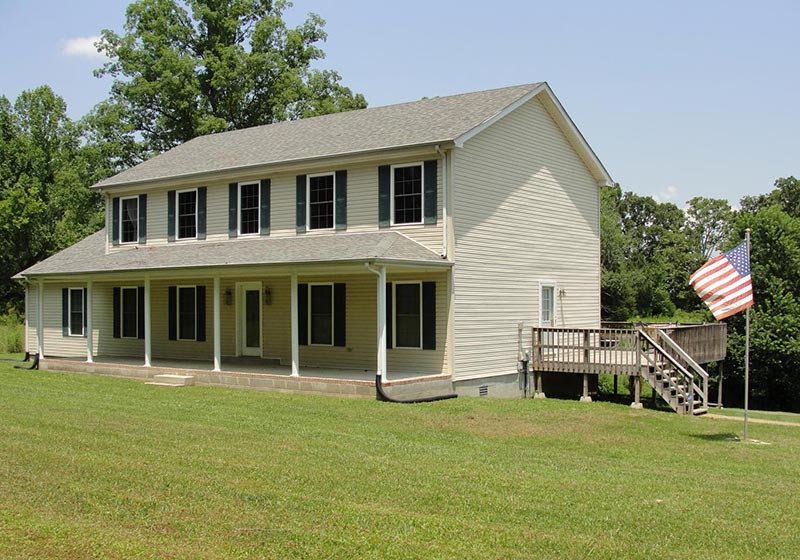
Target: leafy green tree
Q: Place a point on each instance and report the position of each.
(186, 68)
(775, 316)
(45, 204)
(708, 224)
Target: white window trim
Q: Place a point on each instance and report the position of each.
(394, 315)
(422, 194)
(136, 237)
(122, 313)
(69, 311)
(308, 200)
(178, 213)
(333, 310)
(547, 284)
(239, 209)
(178, 311)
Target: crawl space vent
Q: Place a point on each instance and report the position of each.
(483, 391)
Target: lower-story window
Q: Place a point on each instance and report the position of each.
(129, 310)
(187, 313)
(321, 312)
(408, 315)
(75, 313)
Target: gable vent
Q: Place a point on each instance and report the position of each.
(483, 391)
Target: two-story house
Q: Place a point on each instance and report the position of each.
(408, 241)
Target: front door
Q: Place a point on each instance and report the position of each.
(250, 319)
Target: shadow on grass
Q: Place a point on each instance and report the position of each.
(724, 436)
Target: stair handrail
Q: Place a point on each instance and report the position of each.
(671, 359)
(703, 392)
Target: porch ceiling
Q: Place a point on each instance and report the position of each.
(89, 255)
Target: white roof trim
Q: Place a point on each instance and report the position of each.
(582, 145)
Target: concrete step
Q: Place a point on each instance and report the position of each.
(172, 380)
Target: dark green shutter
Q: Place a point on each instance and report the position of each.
(142, 218)
(116, 311)
(65, 311)
(431, 202)
(339, 314)
(173, 313)
(171, 216)
(233, 209)
(389, 317)
(140, 311)
(115, 220)
(384, 195)
(429, 315)
(301, 203)
(266, 191)
(200, 302)
(302, 313)
(341, 200)
(201, 212)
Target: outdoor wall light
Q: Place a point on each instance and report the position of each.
(562, 292)
(267, 296)
(228, 296)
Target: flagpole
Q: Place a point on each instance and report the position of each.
(746, 347)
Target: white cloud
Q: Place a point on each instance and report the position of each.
(82, 46)
(669, 192)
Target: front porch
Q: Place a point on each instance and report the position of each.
(259, 374)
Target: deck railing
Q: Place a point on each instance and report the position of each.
(591, 351)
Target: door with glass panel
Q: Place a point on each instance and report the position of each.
(249, 318)
(547, 310)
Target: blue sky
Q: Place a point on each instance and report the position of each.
(678, 99)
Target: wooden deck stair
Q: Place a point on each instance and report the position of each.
(656, 353)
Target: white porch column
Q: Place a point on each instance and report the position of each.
(148, 338)
(295, 330)
(89, 329)
(40, 321)
(382, 323)
(217, 328)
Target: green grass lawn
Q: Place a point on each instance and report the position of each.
(95, 467)
(758, 414)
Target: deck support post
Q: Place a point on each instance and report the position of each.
(382, 323)
(148, 336)
(539, 394)
(89, 329)
(719, 387)
(616, 385)
(295, 330)
(39, 321)
(637, 392)
(585, 397)
(217, 328)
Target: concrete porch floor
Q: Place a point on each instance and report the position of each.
(260, 374)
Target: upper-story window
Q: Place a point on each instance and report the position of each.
(249, 208)
(186, 215)
(129, 220)
(321, 197)
(407, 194)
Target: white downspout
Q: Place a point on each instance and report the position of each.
(443, 154)
(381, 272)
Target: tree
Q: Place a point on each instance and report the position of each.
(192, 67)
(45, 204)
(708, 224)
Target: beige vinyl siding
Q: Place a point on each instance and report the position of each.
(361, 327)
(526, 210)
(55, 343)
(362, 207)
(103, 323)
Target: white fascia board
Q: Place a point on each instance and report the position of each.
(566, 121)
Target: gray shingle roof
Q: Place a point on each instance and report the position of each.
(89, 255)
(429, 121)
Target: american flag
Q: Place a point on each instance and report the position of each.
(724, 284)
